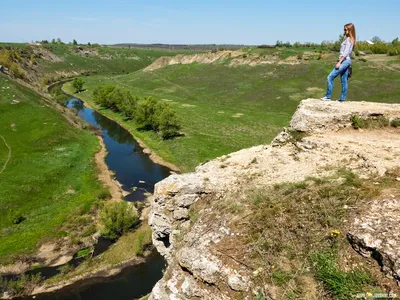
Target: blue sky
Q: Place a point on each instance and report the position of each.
(196, 22)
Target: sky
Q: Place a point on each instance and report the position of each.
(250, 22)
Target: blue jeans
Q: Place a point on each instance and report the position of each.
(344, 74)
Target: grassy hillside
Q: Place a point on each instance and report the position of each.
(104, 59)
(224, 109)
(46, 63)
(47, 176)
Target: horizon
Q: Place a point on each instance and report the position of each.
(206, 23)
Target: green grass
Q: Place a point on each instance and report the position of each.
(109, 60)
(83, 252)
(47, 159)
(342, 284)
(295, 231)
(223, 109)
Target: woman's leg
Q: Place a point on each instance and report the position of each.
(344, 75)
(335, 72)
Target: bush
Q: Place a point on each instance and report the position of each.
(395, 122)
(146, 114)
(101, 93)
(17, 71)
(59, 95)
(117, 218)
(168, 122)
(393, 50)
(77, 84)
(379, 48)
(22, 286)
(357, 122)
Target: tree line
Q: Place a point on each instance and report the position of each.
(148, 113)
(378, 47)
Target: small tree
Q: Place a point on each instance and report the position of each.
(376, 39)
(146, 113)
(117, 218)
(33, 59)
(74, 42)
(168, 122)
(77, 84)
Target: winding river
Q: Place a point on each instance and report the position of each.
(137, 174)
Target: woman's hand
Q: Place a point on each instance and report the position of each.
(337, 65)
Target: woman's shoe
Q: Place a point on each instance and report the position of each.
(325, 98)
(340, 100)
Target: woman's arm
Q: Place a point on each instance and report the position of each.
(345, 51)
(339, 62)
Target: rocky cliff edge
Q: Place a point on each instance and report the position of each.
(200, 219)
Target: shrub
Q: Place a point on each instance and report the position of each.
(33, 59)
(168, 122)
(116, 218)
(103, 194)
(379, 48)
(22, 286)
(357, 122)
(77, 84)
(59, 96)
(395, 123)
(101, 93)
(17, 71)
(300, 55)
(146, 113)
(393, 50)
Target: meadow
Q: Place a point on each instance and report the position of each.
(224, 109)
(47, 174)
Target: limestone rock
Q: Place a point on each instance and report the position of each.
(377, 234)
(319, 116)
(197, 267)
(202, 265)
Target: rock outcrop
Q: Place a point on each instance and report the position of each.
(377, 234)
(320, 139)
(236, 58)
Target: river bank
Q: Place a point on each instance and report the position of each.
(67, 88)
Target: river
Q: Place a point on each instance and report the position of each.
(137, 174)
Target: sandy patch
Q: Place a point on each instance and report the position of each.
(238, 115)
(17, 268)
(188, 105)
(105, 175)
(314, 89)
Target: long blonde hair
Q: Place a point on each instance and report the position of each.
(352, 32)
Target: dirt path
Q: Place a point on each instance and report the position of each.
(9, 154)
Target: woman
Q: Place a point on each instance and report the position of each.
(343, 64)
